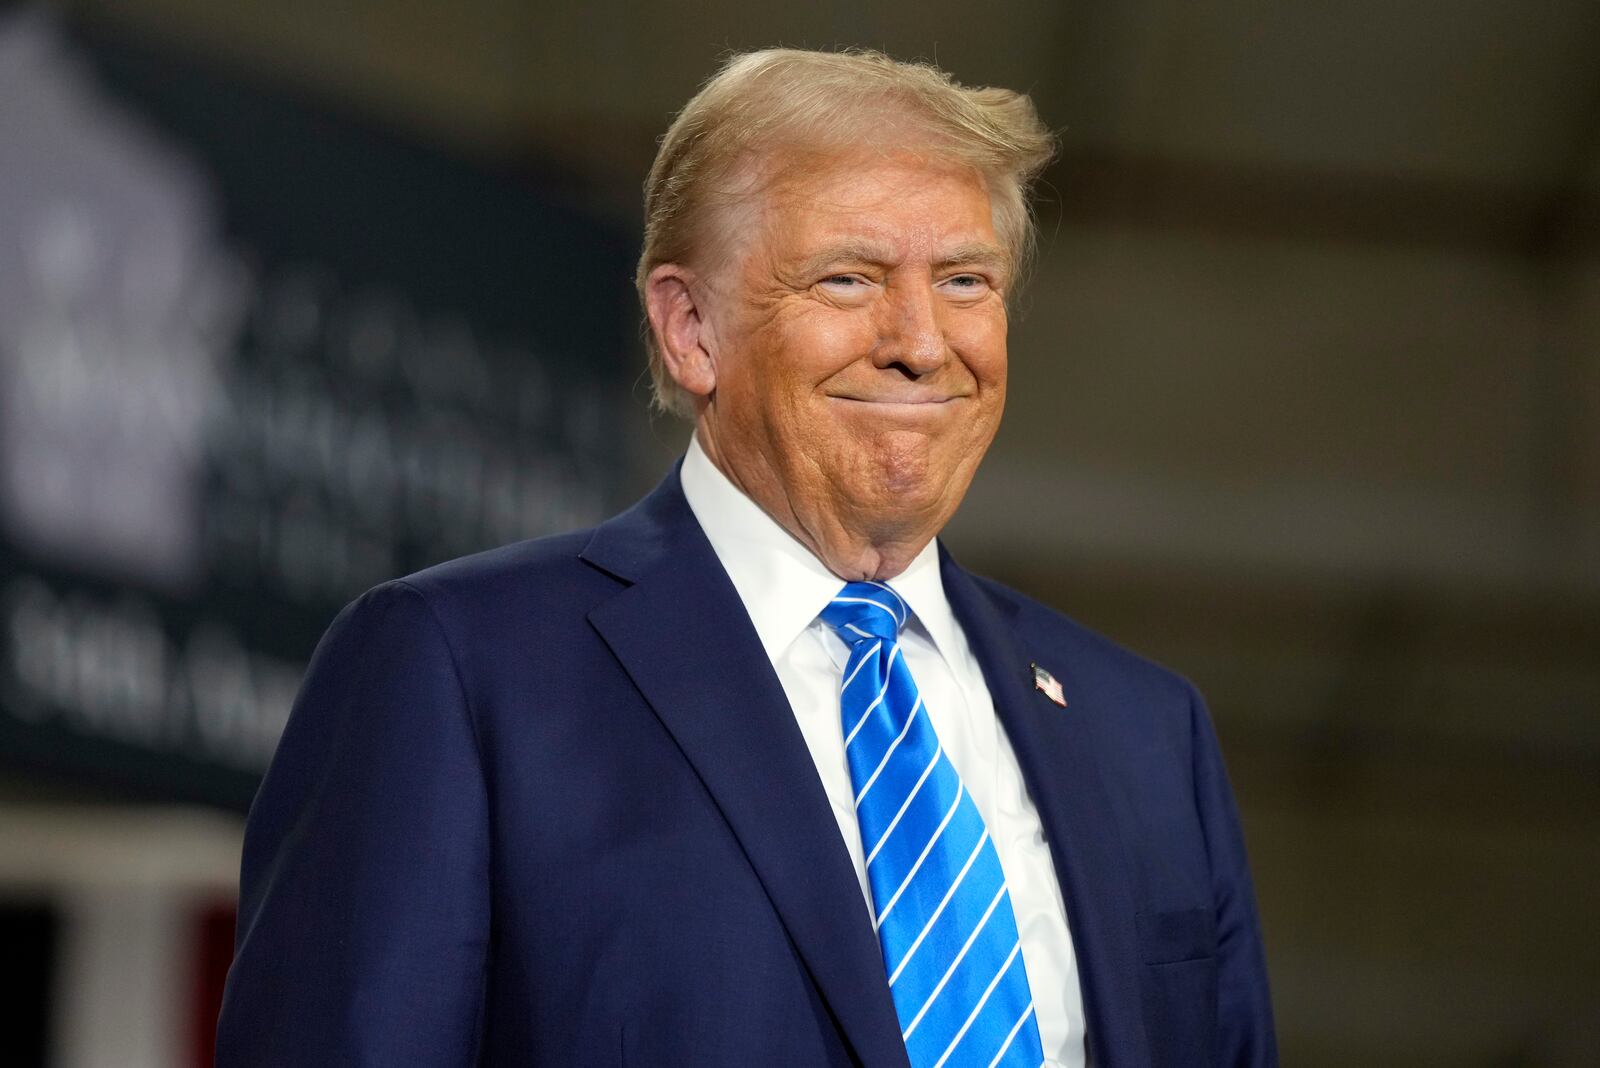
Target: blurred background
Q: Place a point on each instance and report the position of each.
(296, 296)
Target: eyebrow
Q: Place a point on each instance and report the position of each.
(975, 254)
(966, 254)
(845, 252)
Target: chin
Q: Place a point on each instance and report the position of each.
(918, 468)
(910, 491)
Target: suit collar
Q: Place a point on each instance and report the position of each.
(631, 544)
(1055, 749)
(682, 634)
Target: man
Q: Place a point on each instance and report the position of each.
(754, 773)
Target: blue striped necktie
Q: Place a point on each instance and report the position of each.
(940, 903)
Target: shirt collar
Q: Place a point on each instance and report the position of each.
(783, 586)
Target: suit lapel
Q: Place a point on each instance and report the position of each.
(683, 636)
(1055, 751)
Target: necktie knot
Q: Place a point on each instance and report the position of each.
(865, 611)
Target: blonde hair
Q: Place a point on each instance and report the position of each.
(762, 102)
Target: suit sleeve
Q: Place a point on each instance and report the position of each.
(1245, 1035)
(364, 891)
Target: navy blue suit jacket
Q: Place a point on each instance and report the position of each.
(548, 805)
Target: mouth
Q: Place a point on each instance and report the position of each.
(914, 402)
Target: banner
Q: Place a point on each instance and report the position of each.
(255, 358)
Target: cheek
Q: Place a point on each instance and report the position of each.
(801, 355)
(982, 344)
(830, 341)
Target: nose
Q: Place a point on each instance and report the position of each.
(911, 334)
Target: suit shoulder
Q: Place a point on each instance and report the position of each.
(1097, 659)
(550, 558)
(507, 580)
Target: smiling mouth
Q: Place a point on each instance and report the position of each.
(900, 402)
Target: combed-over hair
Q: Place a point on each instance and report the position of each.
(763, 102)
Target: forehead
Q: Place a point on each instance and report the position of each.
(906, 199)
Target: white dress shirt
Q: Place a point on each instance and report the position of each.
(784, 588)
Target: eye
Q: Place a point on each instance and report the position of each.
(966, 284)
(851, 288)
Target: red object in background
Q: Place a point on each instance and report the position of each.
(213, 954)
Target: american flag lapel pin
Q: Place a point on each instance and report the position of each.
(1046, 684)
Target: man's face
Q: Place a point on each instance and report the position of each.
(859, 345)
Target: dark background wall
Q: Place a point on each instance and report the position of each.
(1306, 401)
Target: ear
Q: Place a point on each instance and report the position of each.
(681, 330)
